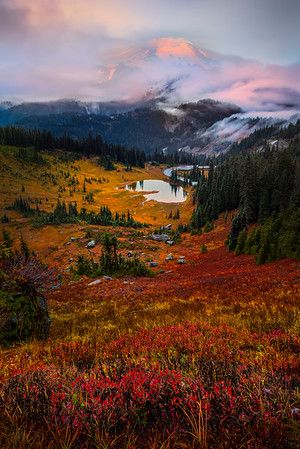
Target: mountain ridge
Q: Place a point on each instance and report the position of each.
(205, 126)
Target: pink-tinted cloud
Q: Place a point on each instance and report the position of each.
(62, 48)
(257, 86)
(180, 48)
(197, 74)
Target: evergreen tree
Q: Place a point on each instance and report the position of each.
(238, 224)
(24, 248)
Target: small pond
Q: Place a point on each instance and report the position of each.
(157, 190)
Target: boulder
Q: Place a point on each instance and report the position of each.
(96, 282)
(181, 260)
(153, 264)
(160, 237)
(107, 278)
(91, 244)
(170, 257)
(170, 242)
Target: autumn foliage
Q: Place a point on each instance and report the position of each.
(203, 355)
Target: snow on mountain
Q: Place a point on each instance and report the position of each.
(197, 73)
(149, 98)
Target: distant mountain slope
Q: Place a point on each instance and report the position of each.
(145, 126)
(203, 127)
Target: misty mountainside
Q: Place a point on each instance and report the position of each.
(179, 97)
(144, 126)
(203, 127)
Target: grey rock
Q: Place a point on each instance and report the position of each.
(107, 278)
(96, 282)
(170, 257)
(170, 242)
(153, 264)
(160, 237)
(91, 244)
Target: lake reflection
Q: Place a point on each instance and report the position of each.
(161, 191)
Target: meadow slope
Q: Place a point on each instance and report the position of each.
(202, 355)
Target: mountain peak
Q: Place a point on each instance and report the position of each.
(176, 47)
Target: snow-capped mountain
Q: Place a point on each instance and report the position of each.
(170, 93)
(161, 62)
(195, 73)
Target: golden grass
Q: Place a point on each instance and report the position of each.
(39, 186)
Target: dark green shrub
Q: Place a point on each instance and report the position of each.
(203, 249)
(111, 262)
(240, 246)
(23, 311)
(208, 227)
(238, 224)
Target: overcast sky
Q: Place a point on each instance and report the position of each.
(52, 47)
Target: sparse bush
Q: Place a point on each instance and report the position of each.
(23, 307)
(111, 262)
(209, 226)
(203, 249)
(4, 219)
(30, 155)
(23, 312)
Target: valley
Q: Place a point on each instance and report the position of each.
(149, 224)
(73, 182)
(206, 335)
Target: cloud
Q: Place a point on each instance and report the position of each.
(13, 20)
(91, 48)
(238, 126)
(282, 97)
(263, 29)
(197, 74)
(257, 86)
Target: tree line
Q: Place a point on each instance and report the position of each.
(177, 158)
(64, 213)
(260, 135)
(264, 188)
(90, 146)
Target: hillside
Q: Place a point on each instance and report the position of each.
(201, 353)
(149, 224)
(144, 126)
(61, 176)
